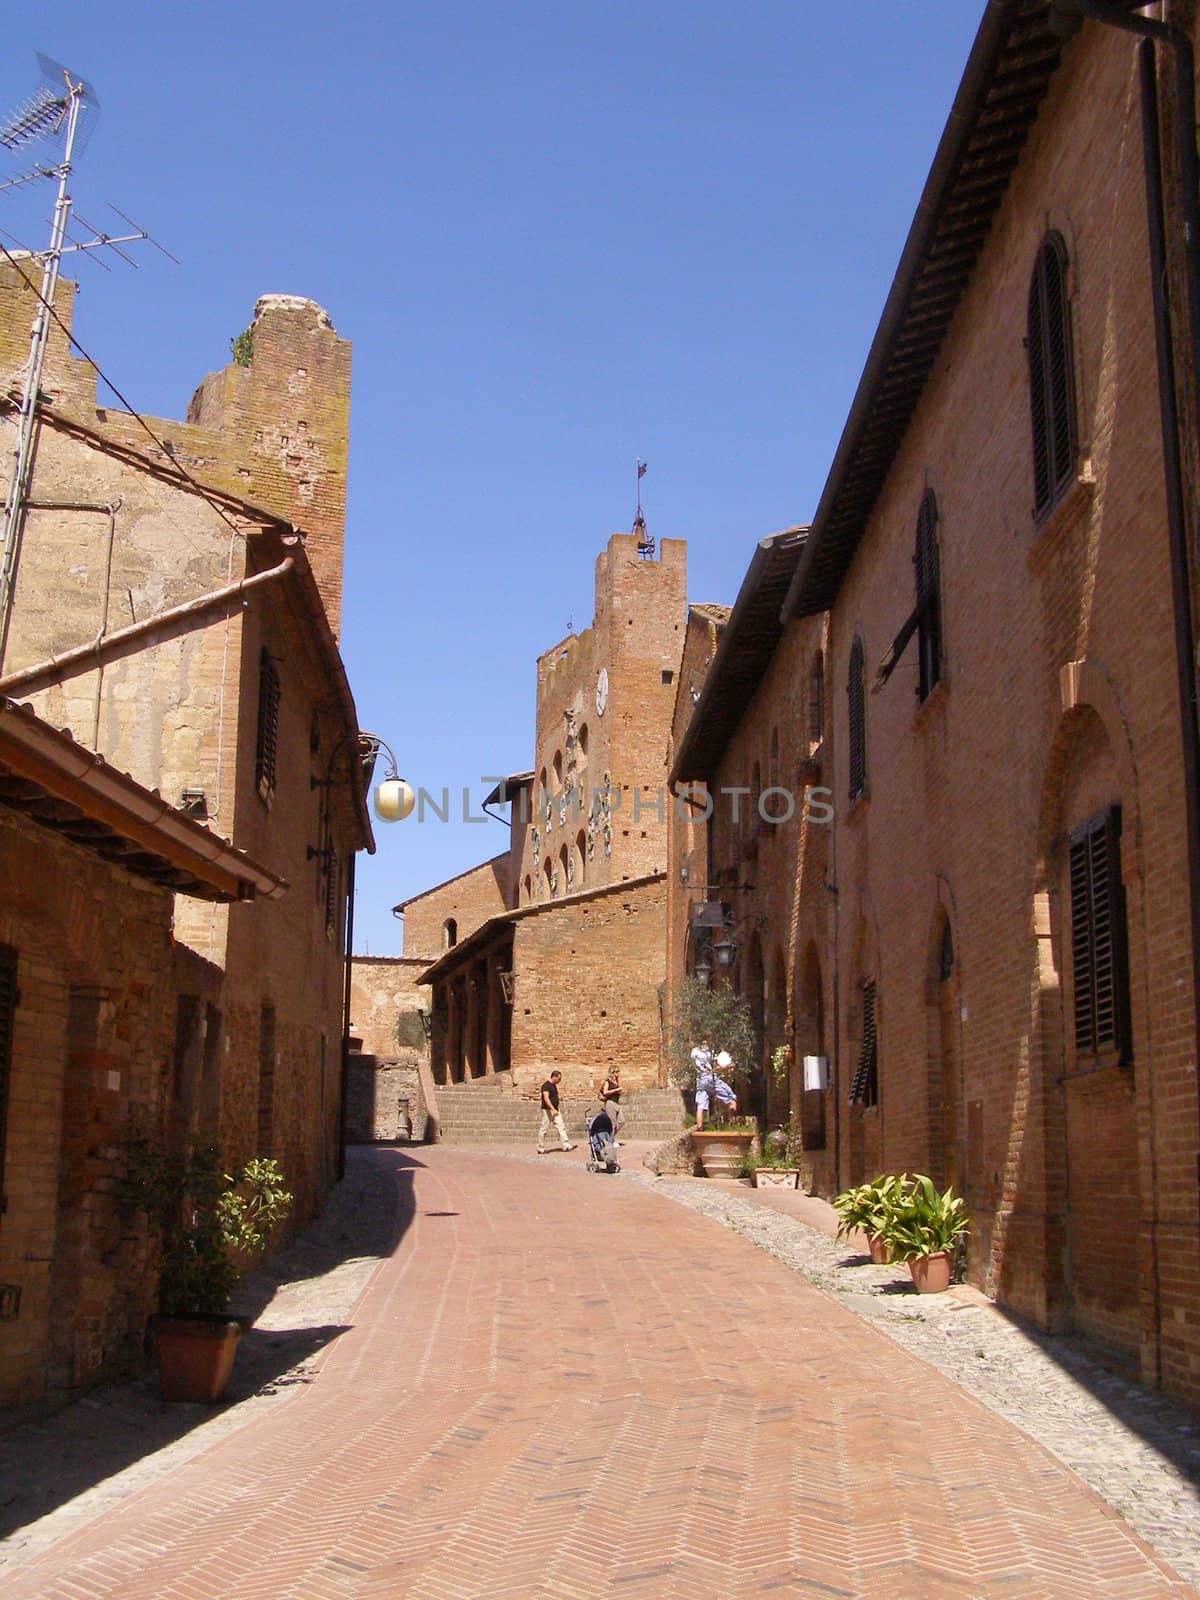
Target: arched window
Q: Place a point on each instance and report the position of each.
(558, 771)
(449, 933)
(580, 858)
(1051, 376)
(856, 696)
(816, 701)
(929, 602)
(528, 888)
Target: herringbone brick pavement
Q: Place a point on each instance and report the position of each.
(561, 1385)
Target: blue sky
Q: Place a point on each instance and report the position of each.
(561, 237)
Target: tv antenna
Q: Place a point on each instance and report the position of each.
(60, 116)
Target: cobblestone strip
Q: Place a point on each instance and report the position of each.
(1135, 1449)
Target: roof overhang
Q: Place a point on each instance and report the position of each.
(62, 786)
(1014, 57)
(749, 640)
(508, 788)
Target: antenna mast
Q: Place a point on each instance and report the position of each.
(51, 112)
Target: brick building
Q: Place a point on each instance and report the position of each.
(1002, 974)
(94, 1034)
(748, 899)
(552, 954)
(186, 632)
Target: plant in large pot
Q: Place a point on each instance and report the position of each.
(775, 1166)
(922, 1227)
(866, 1208)
(713, 1023)
(206, 1224)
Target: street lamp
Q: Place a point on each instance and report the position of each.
(725, 951)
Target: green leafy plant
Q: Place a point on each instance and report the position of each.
(242, 348)
(921, 1221)
(206, 1222)
(781, 1062)
(718, 1014)
(867, 1207)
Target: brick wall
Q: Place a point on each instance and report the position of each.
(586, 994)
(466, 901)
(636, 638)
(92, 1045)
(384, 991)
(1058, 696)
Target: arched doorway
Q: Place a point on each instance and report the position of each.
(753, 988)
(810, 1041)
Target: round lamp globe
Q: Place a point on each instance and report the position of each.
(393, 800)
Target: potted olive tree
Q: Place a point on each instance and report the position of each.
(720, 1018)
(205, 1225)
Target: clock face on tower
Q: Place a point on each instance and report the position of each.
(602, 691)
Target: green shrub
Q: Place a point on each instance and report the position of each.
(921, 1221)
(867, 1207)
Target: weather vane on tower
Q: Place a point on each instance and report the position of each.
(645, 542)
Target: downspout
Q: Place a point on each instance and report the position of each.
(88, 657)
(344, 1076)
(1177, 538)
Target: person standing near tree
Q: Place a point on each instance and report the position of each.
(551, 1115)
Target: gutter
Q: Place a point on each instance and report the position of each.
(128, 641)
(54, 760)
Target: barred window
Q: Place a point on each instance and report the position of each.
(864, 1090)
(1051, 376)
(9, 999)
(1099, 959)
(856, 695)
(929, 599)
(268, 727)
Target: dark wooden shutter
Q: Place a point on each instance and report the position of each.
(864, 1090)
(929, 604)
(1099, 960)
(268, 726)
(855, 691)
(816, 701)
(8, 1014)
(1051, 376)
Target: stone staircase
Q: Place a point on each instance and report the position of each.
(491, 1111)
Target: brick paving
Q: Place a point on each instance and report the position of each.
(562, 1385)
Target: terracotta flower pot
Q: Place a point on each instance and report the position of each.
(195, 1356)
(931, 1274)
(720, 1150)
(881, 1251)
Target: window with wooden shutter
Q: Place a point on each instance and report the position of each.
(864, 1090)
(1051, 376)
(268, 727)
(929, 600)
(856, 695)
(8, 1014)
(1099, 960)
(816, 701)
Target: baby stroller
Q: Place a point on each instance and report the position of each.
(602, 1156)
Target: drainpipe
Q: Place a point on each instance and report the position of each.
(344, 1080)
(85, 658)
(1185, 117)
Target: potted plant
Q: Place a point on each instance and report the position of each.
(922, 1227)
(723, 1018)
(774, 1167)
(205, 1223)
(865, 1208)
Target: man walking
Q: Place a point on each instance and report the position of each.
(551, 1115)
